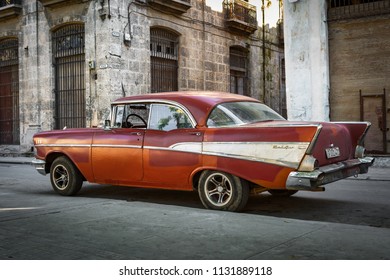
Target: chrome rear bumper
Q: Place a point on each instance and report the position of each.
(314, 180)
(39, 165)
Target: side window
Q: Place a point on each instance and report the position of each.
(218, 118)
(136, 115)
(168, 117)
(131, 115)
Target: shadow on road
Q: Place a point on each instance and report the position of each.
(302, 206)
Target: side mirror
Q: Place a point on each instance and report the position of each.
(107, 125)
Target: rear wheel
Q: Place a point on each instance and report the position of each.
(222, 191)
(284, 193)
(65, 177)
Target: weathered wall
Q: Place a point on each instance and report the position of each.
(117, 43)
(307, 68)
(360, 60)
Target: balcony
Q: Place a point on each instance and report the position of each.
(343, 9)
(10, 8)
(171, 6)
(240, 16)
(58, 3)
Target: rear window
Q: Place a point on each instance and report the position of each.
(241, 113)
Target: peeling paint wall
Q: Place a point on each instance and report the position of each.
(117, 56)
(307, 66)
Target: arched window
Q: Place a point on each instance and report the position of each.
(69, 64)
(164, 60)
(9, 92)
(238, 70)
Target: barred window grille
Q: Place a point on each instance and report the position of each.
(238, 71)
(349, 9)
(69, 64)
(164, 60)
(9, 93)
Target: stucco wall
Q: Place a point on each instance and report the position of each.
(307, 68)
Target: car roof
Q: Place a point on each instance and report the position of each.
(199, 103)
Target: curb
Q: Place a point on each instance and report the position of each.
(16, 160)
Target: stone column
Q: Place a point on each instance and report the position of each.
(306, 56)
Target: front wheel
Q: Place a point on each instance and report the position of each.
(65, 177)
(222, 191)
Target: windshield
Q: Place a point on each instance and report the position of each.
(240, 113)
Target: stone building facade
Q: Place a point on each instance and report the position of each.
(63, 61)
(338, 64)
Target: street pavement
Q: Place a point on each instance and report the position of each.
(107, 222)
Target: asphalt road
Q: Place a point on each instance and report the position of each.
(350, 220)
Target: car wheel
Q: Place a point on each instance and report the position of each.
(284, 193)
(222, 191)
(65, 177)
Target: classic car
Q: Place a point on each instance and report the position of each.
(224, 146)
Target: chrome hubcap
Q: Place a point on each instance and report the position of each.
(60, 177)
(218, 189)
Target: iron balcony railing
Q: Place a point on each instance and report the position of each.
(4, 3)
(171, 6)
(242, 11)
(349, 9)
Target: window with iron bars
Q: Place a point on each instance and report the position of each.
(9, 92)
(238, 71)
(349, 9)
(69, 65)
(164, 60)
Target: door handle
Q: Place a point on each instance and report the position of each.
(196, 133)
(136, 133)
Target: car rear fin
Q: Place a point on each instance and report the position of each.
(314, 140)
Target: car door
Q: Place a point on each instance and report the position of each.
(117, 156)
(172, 147)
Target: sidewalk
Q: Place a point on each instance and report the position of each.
(380, 171)
(16, 160)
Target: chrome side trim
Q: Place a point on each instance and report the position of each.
(116, 146)
(288, 154)
(194, 148)
(89, 146)
(361, 139)
(157, 148)
(65, 145)
(191, 147)
(315, 139)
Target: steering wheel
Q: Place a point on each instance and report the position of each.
(128, 123)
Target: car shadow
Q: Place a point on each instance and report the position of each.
(132, 194)
(305, 206)
(314, 208)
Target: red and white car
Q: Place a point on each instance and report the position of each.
(224, 146)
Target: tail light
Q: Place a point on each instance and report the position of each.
(309, 163)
